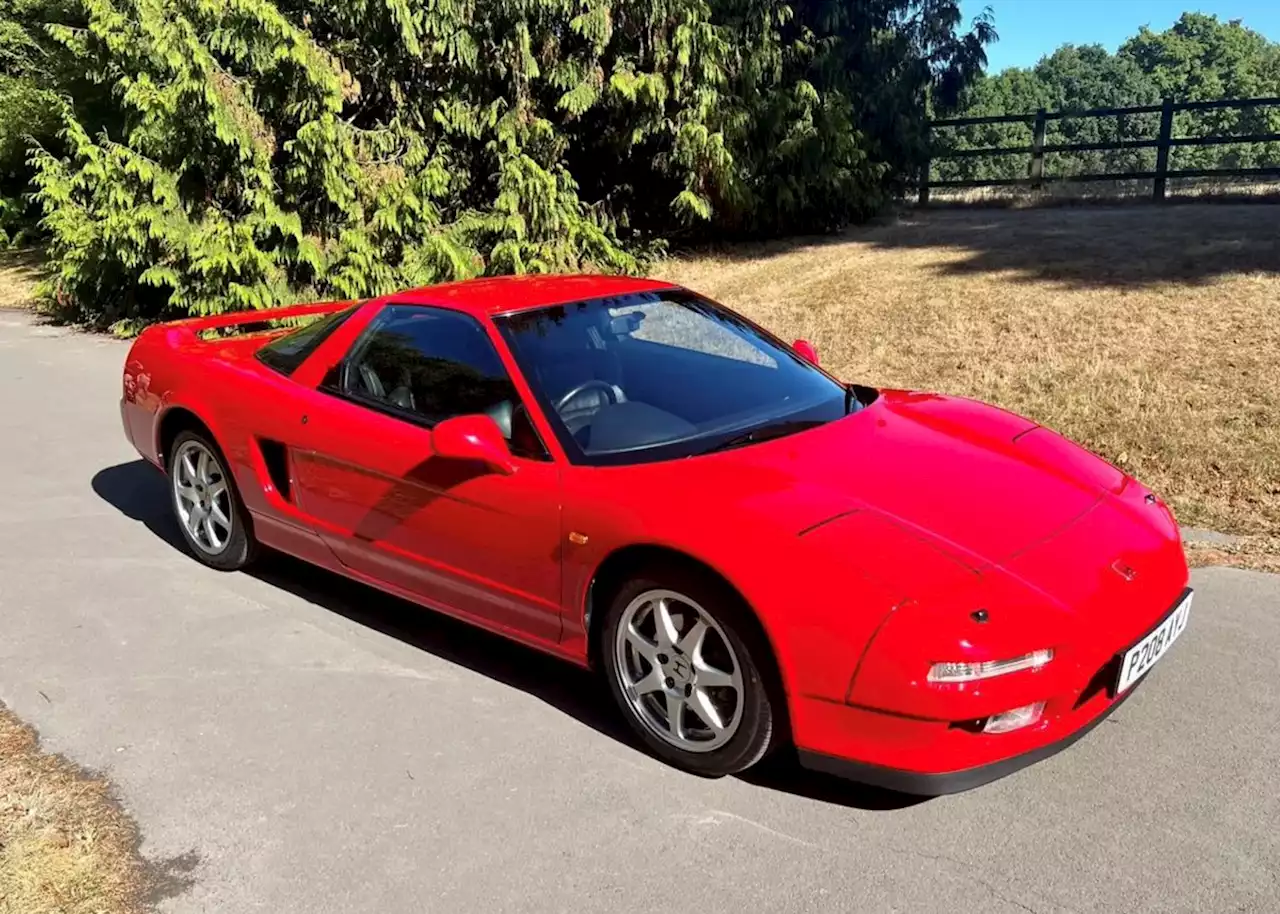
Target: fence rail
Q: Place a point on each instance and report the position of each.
(1162, 143)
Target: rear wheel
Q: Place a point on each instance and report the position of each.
(207, 504)
(689, 671)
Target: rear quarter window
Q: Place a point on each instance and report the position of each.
(286, 353)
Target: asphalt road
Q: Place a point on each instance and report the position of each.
(290, 742)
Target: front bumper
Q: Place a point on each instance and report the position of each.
(924, 783)
(937, 745)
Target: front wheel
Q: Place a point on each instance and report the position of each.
(689, 673)
(207, 505)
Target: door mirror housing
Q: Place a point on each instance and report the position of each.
(474, 438)
(806, 350)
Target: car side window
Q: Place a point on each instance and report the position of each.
(426, 365)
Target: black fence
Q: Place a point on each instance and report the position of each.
(1037, 179)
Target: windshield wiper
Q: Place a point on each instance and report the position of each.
(764, 433)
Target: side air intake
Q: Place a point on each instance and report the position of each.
(276, 458)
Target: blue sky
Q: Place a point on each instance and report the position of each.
(1030, 29)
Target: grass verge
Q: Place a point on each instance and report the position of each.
(20, 271)
(1149, 334)
(65, 846)
(1258, 553)
(1110, 193)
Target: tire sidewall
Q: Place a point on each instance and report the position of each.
(757, 732)
(241, 547)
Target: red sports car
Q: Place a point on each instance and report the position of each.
(912, 590)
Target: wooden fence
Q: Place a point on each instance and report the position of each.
(1036, 178)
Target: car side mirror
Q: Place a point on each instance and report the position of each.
(806, 351)
(475, 438)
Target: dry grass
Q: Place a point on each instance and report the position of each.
(19, 273)
(1150, 334)
(65, 846)
(1108, 193)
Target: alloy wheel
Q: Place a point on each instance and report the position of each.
(678, 671)
(202, 497)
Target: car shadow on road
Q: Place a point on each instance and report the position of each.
(138, 491)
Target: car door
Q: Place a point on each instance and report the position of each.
(453, 534)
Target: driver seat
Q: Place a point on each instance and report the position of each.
(401, 396)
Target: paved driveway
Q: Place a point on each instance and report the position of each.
(290, 742)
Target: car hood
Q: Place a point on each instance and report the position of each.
(974, 480)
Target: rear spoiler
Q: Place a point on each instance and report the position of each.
(197, 325)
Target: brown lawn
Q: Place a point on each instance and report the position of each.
(65, 846)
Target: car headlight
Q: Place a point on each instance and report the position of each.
(957, 671)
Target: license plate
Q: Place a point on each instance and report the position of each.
(1143, 655)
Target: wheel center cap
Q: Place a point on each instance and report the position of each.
(681, 669)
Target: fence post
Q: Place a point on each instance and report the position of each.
(1037, 152)
(1162, 151)
(928, 148)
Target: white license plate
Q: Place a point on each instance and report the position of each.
(1143, 655)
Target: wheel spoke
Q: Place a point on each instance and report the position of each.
(217, 488)
(211, 531)
(664, 625)
(186, 491)
(195, 518)
(202, 467)
(219, 516)
(188, 467)
(650, 682)
(642, 645)
(675, 715)
(708, 677)
(702, 706)
(691, 641)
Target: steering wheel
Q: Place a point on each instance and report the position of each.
(610, 392)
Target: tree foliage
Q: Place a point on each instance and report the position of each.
(1199, 58)
(193, 156)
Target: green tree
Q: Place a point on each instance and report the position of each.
(1199, 58)
(1073, 78)
(31, 73)
(222, 154)
(1203, 59)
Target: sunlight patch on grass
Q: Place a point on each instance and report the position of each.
(20, 271)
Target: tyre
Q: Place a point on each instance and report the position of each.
(207, 505)
(689, 670)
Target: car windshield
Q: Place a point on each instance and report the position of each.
(659, 375)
